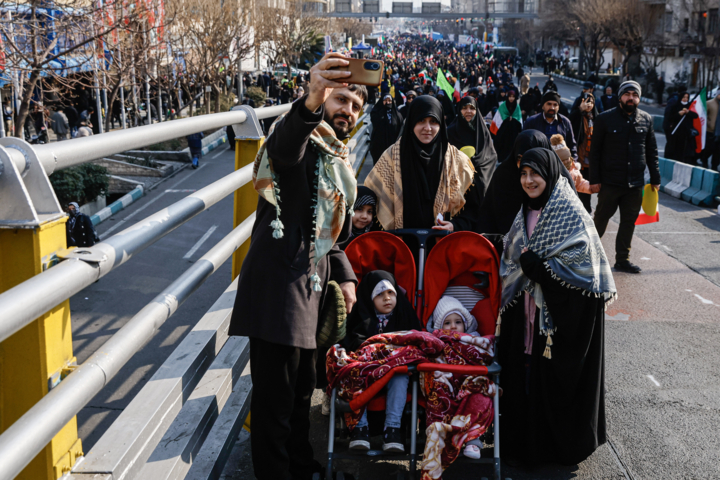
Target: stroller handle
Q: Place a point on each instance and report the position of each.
(493, 369)
(422, 234)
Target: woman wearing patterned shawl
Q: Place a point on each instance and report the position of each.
(556, 282)
(423, 176)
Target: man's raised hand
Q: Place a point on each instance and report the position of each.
(323, 80)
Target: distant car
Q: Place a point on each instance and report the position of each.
(574, 63)
(281, 69)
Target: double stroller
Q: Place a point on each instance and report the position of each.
(459, 259)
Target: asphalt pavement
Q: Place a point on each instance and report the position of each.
(662, 341)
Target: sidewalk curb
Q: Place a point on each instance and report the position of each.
(117, 205)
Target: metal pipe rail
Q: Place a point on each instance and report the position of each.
(28, 436)
(59, 155)
(22, 304)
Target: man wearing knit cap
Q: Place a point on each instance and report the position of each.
(551, 122)
(623, 144)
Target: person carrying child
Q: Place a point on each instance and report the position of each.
(583, 187)
(381, 308)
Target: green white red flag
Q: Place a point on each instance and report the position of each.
(699, 106)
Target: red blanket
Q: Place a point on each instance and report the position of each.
(459, 407)
(360, 375)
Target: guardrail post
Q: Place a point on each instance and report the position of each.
(248, 140)
(36, 358)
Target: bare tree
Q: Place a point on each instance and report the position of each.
(43, 44)
(211, 32)
(630, 24)
(585, 21)
(284, 34)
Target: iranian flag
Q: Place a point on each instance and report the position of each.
(699, 106)
(501, 115)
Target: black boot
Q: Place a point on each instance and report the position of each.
(627, 267)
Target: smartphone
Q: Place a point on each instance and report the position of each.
(362, 72)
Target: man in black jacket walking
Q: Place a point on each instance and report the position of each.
(79, 228)
(283, 282)
(623, 144)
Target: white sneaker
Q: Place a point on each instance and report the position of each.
(472, 451)
(326, 405)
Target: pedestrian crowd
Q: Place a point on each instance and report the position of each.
(437, 164)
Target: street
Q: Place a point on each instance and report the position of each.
(663, 392)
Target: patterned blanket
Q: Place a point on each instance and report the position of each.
(360, 375)
(459, 407)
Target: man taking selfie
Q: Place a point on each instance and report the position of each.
(292, 256)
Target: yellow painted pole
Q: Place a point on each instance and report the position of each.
(39, 355)
(246, 197)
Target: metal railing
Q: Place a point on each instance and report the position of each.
(22, 304)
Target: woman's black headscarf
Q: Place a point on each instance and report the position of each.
(505, 195)
(362, 323)
(547, 164)
(421, 164)
(462, 133)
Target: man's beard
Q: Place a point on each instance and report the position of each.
(549, 115)
(628, 108)
(340, 132)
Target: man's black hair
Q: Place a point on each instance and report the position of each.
(360, 90)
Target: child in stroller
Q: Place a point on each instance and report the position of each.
(380, 309)
(451, 315)
(465, 266)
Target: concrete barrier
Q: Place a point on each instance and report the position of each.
(117, 205)
(710, 188)
(682, 175)
(696, 179)
(696, 185)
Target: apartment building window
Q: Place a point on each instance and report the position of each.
(686, 24)
(668, 21)
(713, 21)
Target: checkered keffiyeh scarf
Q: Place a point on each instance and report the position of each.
(335, 185)
(566, 238)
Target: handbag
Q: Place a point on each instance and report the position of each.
(333, 317)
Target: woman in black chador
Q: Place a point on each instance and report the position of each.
(469, 130)
(556, 282)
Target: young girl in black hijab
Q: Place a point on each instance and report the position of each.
(556, 282)
(469, 130)
(422, 178)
